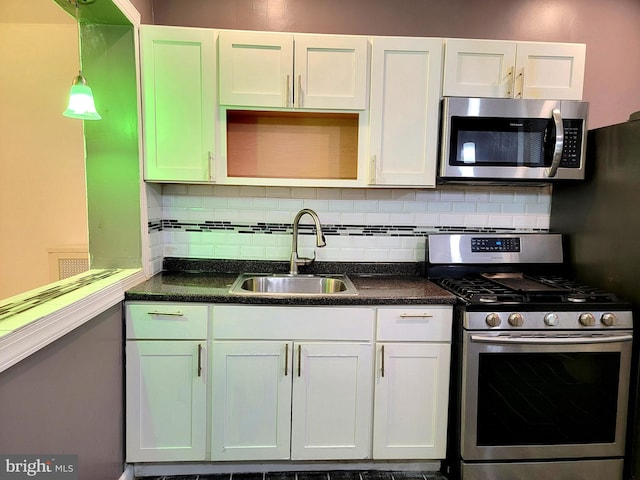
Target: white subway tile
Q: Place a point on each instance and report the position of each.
(318, 206)
(376, 255)
(475, 220)
(252, 253)
(252, 216)
(201, 251)
(402, 219)
(439, 207)
(525, 221)
(451, 220)
(501, 221)
(414, 206)
(341, 205)
(352, 219)
(266, 204)
(363, 206)
(378, 218)
(329, 194)
(307, 193)
(353, 194)
(291, 205)
(227, 251)
(200, 190)
(226, 191)
(174, 189)
(379, 194)
(542, 221)
(389, 206)
(428, 195)
(186, 201)
(276, 253)
(464, 207)
(279, 192)
(538, 209)
(489, 208)
(427, 219)
(253, 191)
(401, 194)
(477, 195)
(514, 208)
(453, 196)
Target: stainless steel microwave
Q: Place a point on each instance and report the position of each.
(507, 140)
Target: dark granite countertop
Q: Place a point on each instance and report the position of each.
(209, 281)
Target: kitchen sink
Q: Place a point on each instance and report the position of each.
(287, 284)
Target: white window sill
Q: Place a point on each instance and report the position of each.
(27, 332)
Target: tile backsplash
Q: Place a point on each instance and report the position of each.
(247, 222)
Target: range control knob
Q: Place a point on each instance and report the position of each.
(551, 319)
(516, 320)
(493, 320)
(587, 319)
(609, 319)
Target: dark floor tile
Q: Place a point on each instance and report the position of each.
(312, 475)
(376, 475)
(344, 475)
(280, 476)
(247, 476)
(408, 475)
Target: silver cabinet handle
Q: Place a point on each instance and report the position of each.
(521, 77)
(557, 150)
(416, 315)
(382, 361)
(212, 170)
(299, 94)
(372, 170)
(286, 359)
(167, 314)
(287, 100)
(199, 359)
(299, 359)
(511, 82)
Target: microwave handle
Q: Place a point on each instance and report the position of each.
(557, 151)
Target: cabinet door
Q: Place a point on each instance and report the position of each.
(405, 93)
(411, 400)
(332, 389)
(331, 72)
(178, 97)
(479, 68)
(550, 70)
(165, 401)
(250, 400)
(256, 69)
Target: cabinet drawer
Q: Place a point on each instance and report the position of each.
(179, 321)
(236, 322)
(415, 324)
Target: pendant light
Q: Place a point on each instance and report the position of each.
(81, 104)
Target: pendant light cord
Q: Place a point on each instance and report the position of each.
(77, 6)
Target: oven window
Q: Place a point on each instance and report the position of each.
(499, 142)
(547, 398)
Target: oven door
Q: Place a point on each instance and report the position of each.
(534, 397)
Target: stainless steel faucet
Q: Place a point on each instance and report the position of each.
(297, 261)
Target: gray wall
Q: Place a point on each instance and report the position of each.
(610, 29)
(68, 399)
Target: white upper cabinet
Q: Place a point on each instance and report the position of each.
(278, 70)
(178, 68)
(505, 69)
(405, 93)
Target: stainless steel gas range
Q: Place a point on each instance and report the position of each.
(541, 362)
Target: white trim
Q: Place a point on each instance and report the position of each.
(82, 305)
(127, 474)
(129, 11)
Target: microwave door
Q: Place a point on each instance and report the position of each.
(559, 143)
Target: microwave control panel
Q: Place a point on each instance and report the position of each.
(572, 149)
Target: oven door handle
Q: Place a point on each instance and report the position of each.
(551, 340)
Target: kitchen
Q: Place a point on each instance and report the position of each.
(457, 206)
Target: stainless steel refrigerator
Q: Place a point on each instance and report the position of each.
(600, 218)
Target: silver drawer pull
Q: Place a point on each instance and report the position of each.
(170, 314)
(416, 315)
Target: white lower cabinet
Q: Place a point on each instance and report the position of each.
(413, 354)
(166, 386)
(302, 393)
(267, 383)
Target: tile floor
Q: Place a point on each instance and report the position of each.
(332, 475)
